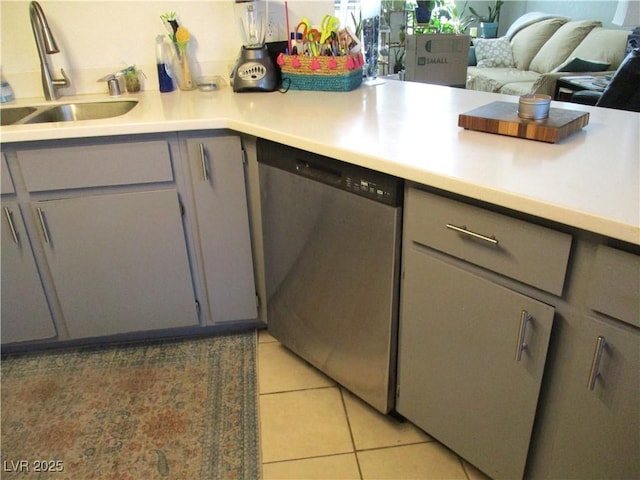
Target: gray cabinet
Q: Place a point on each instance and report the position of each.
(108, 237)
(592, 431)
(589, 424)
(472, 351)
(217, 180)
(459, 376)
(25, 311)
(470, 276)
(130, 234)
(119, 262)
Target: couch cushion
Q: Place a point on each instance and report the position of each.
(493, 52)
(493, 79)
(564, 41)
(526, 43)
(517, 88)
(527, 19)
(546, 82)
(603, 45)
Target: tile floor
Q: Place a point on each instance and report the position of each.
(311, 428)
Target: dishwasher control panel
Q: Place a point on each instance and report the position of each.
(369, 188)
(358, 180)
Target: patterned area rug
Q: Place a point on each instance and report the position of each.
(183, 409)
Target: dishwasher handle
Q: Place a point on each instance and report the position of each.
(319, 173)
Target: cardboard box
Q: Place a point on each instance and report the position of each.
(441, 59)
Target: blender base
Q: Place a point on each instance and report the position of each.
(254, 71)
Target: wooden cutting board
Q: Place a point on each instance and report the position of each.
(502, 118)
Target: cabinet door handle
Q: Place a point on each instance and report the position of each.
(594, 373)
(464, 230)
(203, 163)
(9, 216)
(43, 225)
(522, 332)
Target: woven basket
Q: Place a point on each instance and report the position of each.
(331, 74)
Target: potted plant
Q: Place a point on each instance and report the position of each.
(132, 76)
(445, 18)
(488, 23)
(398, 63)
(357, 25)
(423, 11)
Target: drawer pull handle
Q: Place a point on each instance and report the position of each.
(9, 216)
(522, 332)
(463, 229)
(203, 163)
(43, 225)
(594, 373)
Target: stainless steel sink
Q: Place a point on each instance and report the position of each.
(66, 112)
(82, 111)
(11, 115)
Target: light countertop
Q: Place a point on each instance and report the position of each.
(589, 180)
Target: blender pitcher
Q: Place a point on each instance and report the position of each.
(252, 16)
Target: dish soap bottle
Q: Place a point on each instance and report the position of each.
(162, 60)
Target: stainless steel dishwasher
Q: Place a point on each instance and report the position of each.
(331, 233)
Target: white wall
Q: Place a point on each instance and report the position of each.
(98, 37)
(602, 10)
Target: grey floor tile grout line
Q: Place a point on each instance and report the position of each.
(353, 440)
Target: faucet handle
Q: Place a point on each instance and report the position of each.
(63, 82)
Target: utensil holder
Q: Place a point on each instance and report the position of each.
(182, 66)
(323, 73)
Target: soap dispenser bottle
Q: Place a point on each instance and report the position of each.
(162, 60)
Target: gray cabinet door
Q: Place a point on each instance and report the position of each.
(119, 262)
(222, 219)
(25, 312)
(458, 376)
(591, 433)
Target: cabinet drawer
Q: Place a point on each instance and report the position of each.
(615, 285)
(520, 250)
(96, 165)
(5, 178)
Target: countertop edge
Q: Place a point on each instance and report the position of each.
(555, 213)
(185, 111)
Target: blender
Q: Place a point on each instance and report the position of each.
(254, 70)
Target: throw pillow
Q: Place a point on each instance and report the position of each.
(575, 64)
(473, 61)
(557, 49)
(494, 52)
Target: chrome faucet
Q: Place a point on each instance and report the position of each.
(46, 45)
